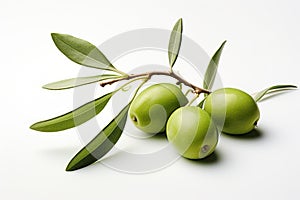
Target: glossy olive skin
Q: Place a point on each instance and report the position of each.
(233, 111)
(151, 109)
(192, 132)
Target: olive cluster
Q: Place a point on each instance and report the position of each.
(192, 130)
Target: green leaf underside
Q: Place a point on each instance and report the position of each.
(81, 51)
(276, 88)
(212, 68)
(79, 81)
(101, 144)
(175, 42)
(75, 117)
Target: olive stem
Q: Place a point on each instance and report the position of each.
(179, 85)
(129, 82)
(197, 90)
(193, 99)
(187, 92)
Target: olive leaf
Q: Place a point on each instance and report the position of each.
(175, 42)
(212, 68)
(276, 88)
(105, 140)
(81, 52)
(79, 81)
(101, 144)
(75, 117)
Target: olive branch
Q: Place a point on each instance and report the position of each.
(86, 54)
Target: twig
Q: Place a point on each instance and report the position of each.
(196, 90)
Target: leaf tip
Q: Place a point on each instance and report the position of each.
(49, 87)
(70, 168)
(45, 87)
(31, 127)
(53, 35)
(34, 127)
(223, 44)
(37, 127)
(179, 23)
(72, 165)
(75, 165)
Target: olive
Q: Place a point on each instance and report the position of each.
(151, 109)
(233, 110)
(192, 132)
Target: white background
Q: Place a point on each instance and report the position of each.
(262, 50)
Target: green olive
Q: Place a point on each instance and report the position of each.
(233, 111)
(151, 109)
(192, 132)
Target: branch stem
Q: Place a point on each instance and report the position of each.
(197, 90)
